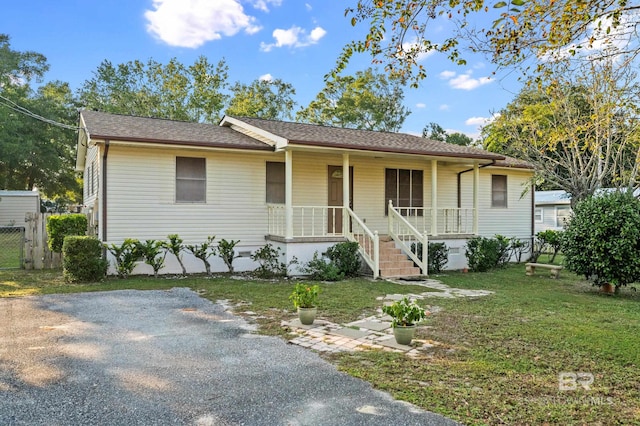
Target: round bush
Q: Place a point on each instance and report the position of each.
(82, 259)
(602, 239)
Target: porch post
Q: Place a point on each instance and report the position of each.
(476, 190)
(434, 198)
(345, 193)
(288, 194)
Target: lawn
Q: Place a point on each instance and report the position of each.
(499, 359)
(10, 248)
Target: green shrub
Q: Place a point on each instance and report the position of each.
(319, 269)
(345, 257)
(437, 256)
(153, 254)
(60, 226)
(82, 259)
(203, 252)
(484, 254)
(551, 239)
(602, 239)
(270, 264)
(175, 247)
(126, 255)
(226, 251)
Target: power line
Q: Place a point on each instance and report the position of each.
(19, 109)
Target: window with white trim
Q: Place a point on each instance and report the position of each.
(538, 215)
(562, 215)
(191, 180)
(499, 191)
(404, 188)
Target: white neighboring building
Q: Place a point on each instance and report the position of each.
(553, 209)
(14, 205)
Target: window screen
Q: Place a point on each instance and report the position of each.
(498, 191)
(191, 180)
(275, 183)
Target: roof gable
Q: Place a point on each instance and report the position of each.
(368, 140)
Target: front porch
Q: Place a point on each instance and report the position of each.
(386, 252)
(352, 198)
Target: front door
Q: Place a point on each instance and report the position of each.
(335, 198)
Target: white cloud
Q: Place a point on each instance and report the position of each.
(444, 107)
(293, 37)
(264, 4)
(476, 121)
(464, 81)
(601, 37)
(413, 47)
(316, 34)
(191, 23)
(308, 6)
(481, 121)
(421, 105)
(265, 77)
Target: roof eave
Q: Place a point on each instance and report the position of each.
(346, 146)
(198, 144)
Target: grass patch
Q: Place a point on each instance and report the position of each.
(499, 357)
(11, 244)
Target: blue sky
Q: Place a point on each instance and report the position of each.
(297, 41)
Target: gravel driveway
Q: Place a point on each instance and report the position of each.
(169, 357)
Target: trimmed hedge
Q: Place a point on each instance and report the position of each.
(61, 226)
(82, 259)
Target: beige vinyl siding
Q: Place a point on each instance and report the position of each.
(13, 208)
(141, 202)
(92, 162)
(513, 221)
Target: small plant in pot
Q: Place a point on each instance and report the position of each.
(304, 297)
(404, 314)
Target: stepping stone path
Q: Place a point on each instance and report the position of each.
(375, 332)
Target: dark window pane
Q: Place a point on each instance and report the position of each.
(416, 189)
(275, 182)
(191, 180)
(498, 191)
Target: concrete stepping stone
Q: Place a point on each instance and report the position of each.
(350, 332)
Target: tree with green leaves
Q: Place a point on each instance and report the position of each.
(435, 132)
(19, 67)
(267, 99)
(37, 138)
(151, 89)
(368, 100)
(400, 32)
(580, 130)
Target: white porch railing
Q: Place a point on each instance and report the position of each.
(369, 241)
(308, 221)
(450, 221)
(409, 238)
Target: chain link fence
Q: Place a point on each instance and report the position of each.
(11, 247)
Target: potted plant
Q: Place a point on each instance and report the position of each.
(304, 297)
(405, 315)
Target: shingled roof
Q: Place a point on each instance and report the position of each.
(101, 125)
(367, 140)
(115, 127)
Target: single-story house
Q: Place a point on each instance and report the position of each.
(553, 209)
(263, 181)
(14, 205)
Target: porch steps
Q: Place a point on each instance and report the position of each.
(393, 263)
